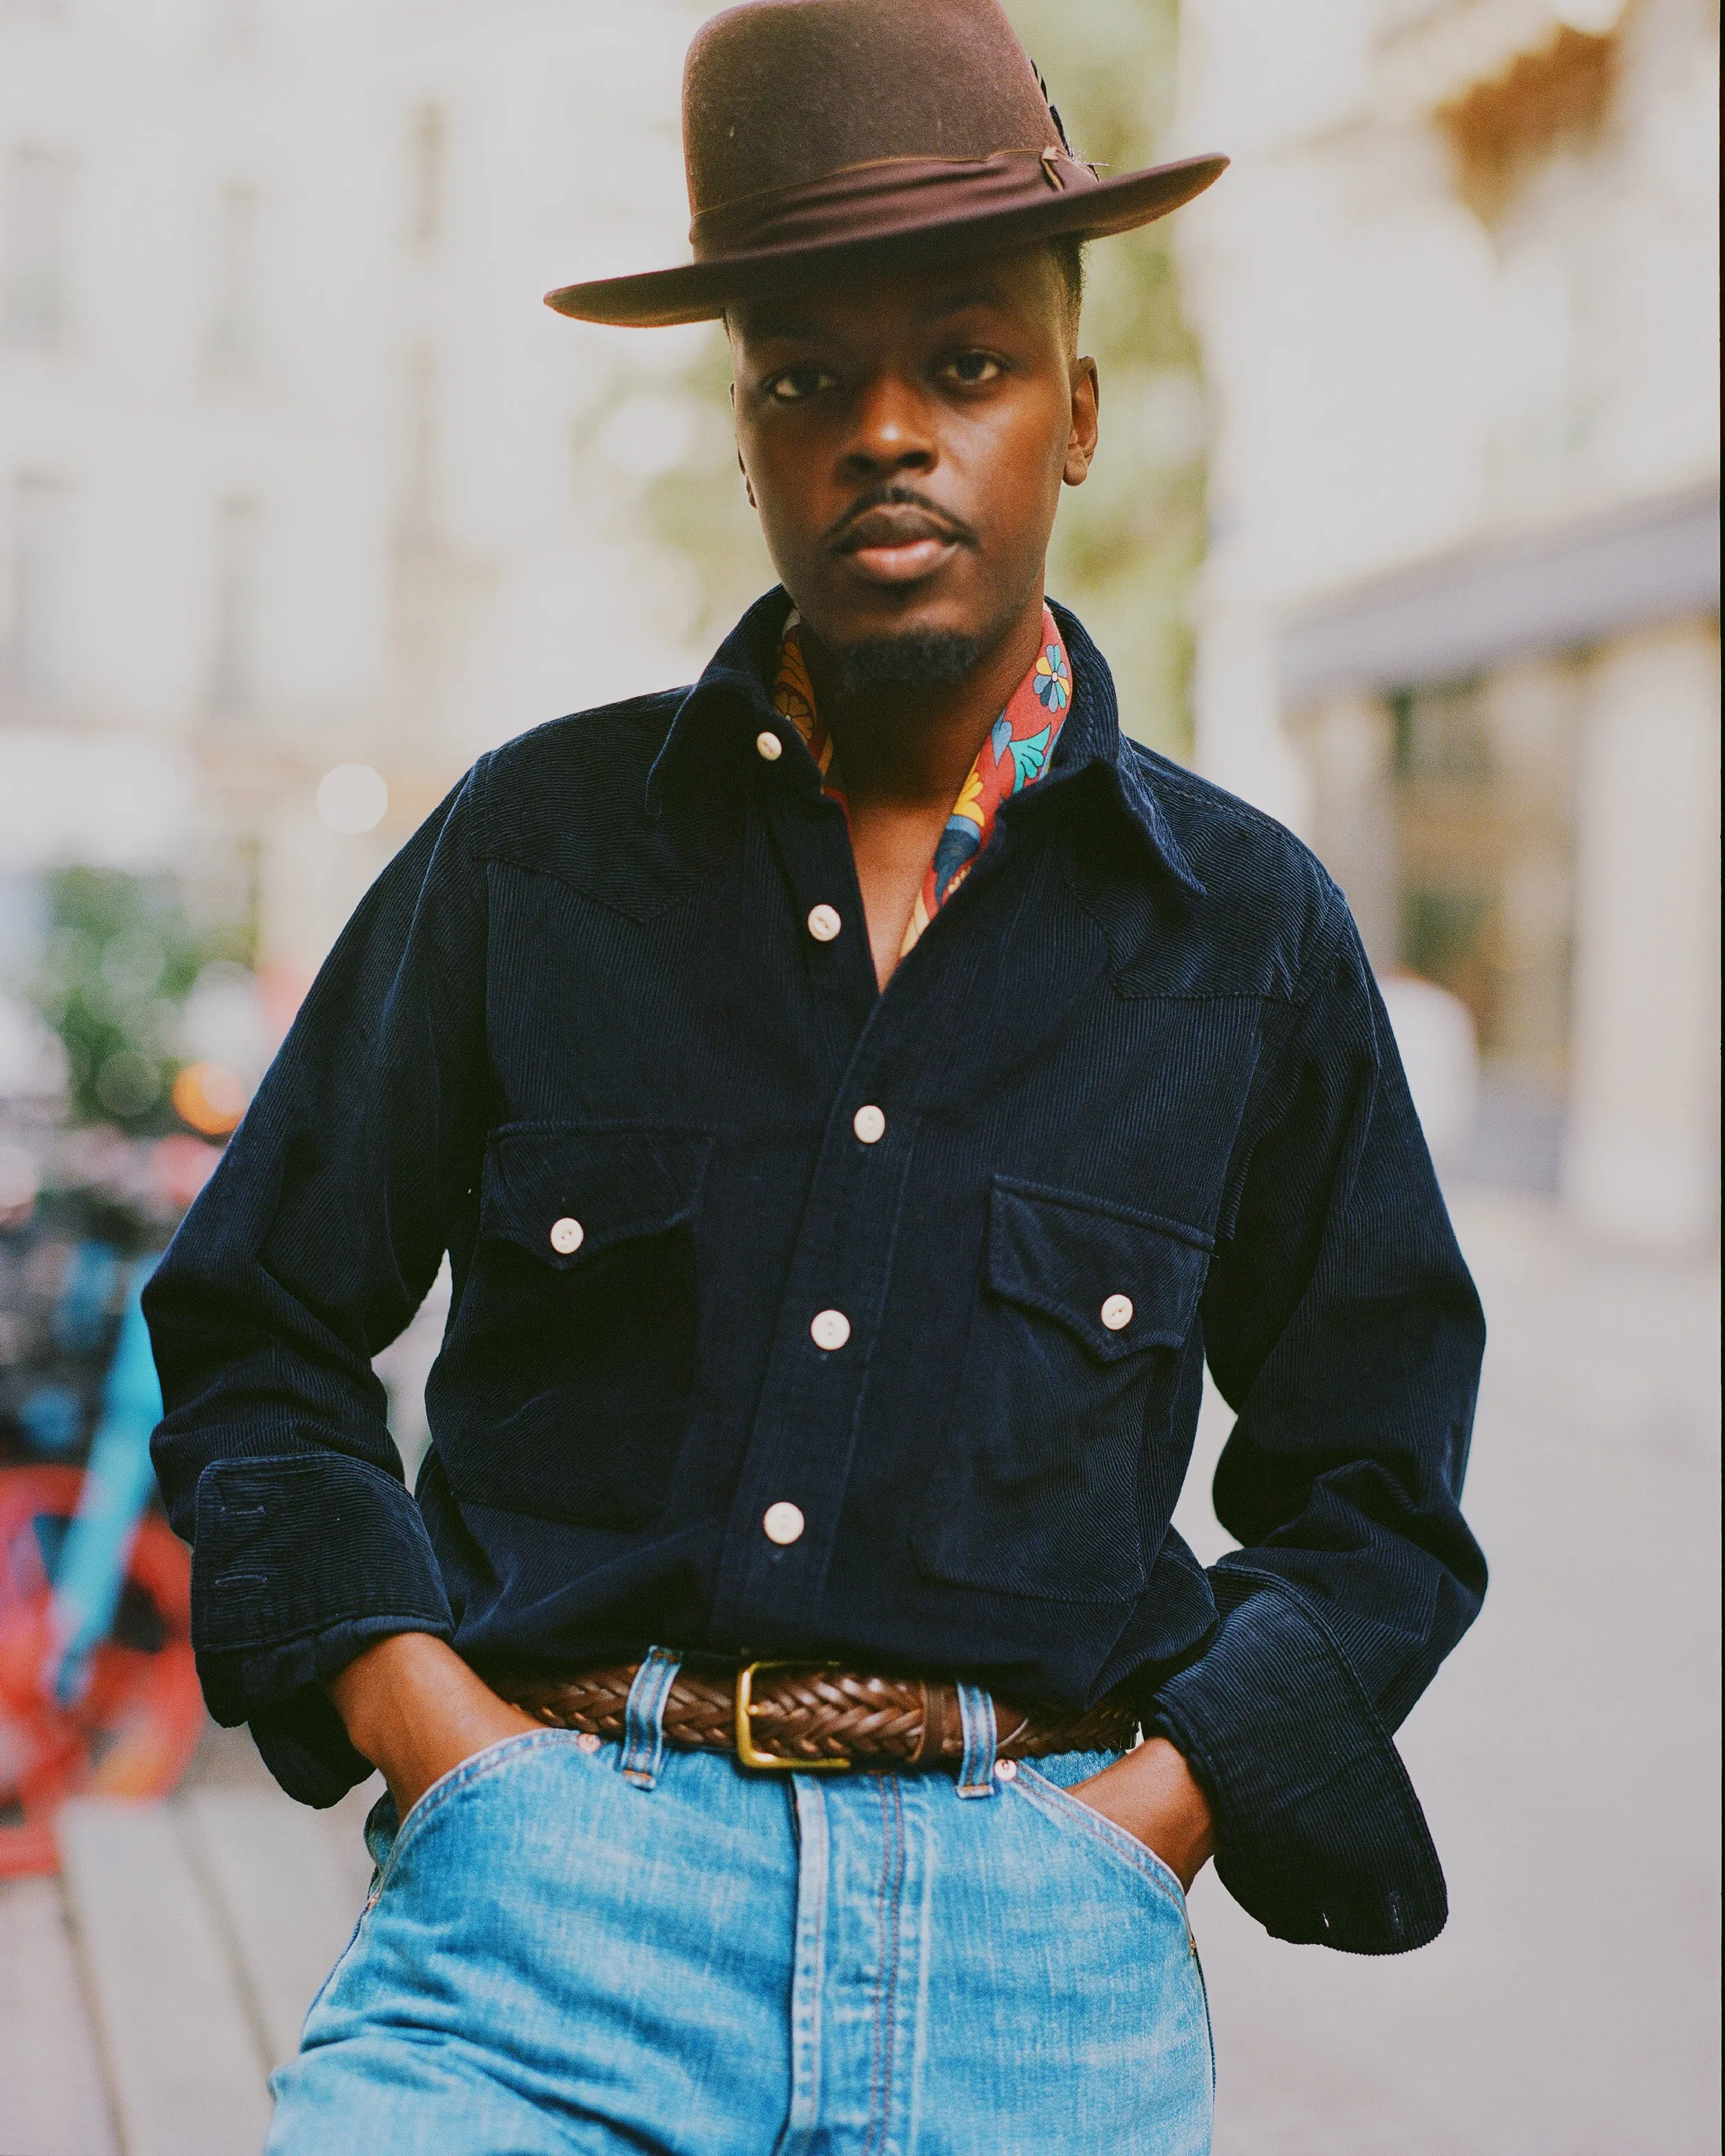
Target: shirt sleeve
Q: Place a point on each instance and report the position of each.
(1342, 1326)
(307, 1252)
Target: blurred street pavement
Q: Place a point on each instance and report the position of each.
(1567, 1756)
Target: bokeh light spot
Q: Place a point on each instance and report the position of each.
(210, 1097)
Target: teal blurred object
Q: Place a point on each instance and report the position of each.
(118, 1481)
(52, 1419)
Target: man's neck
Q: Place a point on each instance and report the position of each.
(913, 748)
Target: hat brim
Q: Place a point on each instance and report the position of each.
(697, 291)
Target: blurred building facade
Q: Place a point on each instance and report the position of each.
(1459, 620)
(295, 476)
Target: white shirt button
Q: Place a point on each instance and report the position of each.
(782, 1523)
(768, 746)
(567, 1236)
(1006, 1770)
(1118, 1312)
(824, 923)
(586, 1741)
(869, 1124)
(830, 1329)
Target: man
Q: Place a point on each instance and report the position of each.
(856, 1095)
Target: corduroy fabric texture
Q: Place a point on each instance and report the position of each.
(1140, 1054)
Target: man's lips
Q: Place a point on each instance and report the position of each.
(897, 545)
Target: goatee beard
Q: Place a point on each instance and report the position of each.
(919, 658)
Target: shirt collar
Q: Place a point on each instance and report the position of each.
(736, 688)
(1091, 740)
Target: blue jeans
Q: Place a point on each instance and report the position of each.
(570, 1947)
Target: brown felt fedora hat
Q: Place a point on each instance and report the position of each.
(828, 138)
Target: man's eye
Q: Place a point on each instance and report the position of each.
(797, 382)
(973, 368)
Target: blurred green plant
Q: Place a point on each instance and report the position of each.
(1128, 543)
(122, 955)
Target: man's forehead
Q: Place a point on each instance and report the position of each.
(1013, 282)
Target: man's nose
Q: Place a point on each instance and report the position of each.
(891, 431)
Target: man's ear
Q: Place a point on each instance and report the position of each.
(1082, 441)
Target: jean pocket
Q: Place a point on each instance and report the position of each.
(461, 1781)
(1072, 1814)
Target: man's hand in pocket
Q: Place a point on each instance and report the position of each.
(415, 1709)
(1155, 1796)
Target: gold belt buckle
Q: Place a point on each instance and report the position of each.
(748, 1751)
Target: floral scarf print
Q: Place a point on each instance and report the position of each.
(1018, 750)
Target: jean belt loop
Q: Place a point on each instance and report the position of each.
(643, 1727)
(976, 1722)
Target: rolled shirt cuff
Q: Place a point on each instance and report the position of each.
(300, 1561)
(1319, 1834)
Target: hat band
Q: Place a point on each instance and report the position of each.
(883, 199)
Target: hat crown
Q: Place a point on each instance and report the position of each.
(780, 93)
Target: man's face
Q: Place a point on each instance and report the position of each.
(905, 441)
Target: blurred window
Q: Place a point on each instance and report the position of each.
(239, 546)
(35, 583)
(1485, 837)
(35, 294)
(235, 345)
(428, 158)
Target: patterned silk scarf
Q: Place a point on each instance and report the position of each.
(1019, 748)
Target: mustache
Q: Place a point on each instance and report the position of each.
(894, 494)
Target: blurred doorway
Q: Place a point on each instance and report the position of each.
(1482, 796)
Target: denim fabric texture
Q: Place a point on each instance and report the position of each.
(556, 1960)
(581, 1035)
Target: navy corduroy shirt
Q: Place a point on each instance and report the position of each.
(581, 1036)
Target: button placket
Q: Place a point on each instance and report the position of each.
(833, 1296)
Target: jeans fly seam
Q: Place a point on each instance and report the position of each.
(808, 1968)
(887, 1902)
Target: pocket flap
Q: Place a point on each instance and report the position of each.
(1121, 1280)
(564, 1193)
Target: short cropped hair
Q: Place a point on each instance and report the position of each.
(1068, 252)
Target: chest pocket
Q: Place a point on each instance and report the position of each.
(1042, 1484)
(577, 1330)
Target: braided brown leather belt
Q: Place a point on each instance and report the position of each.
(807, 1715)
